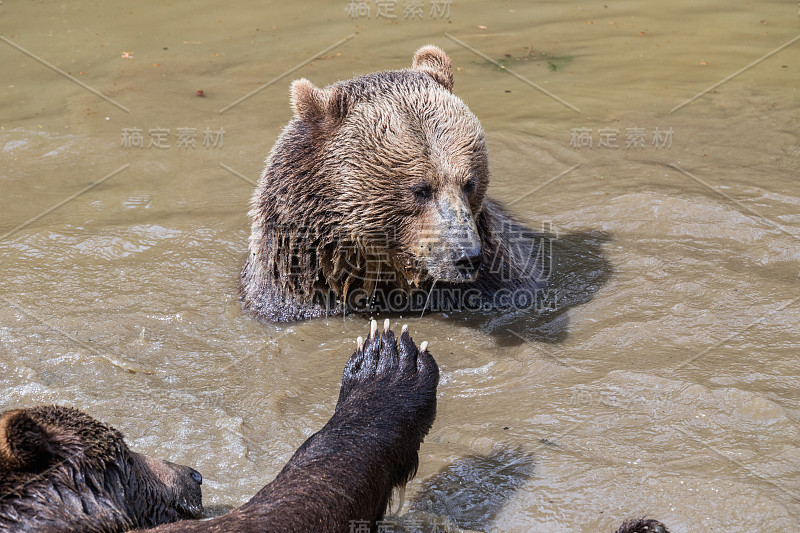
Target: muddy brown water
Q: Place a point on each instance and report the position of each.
(670, 388)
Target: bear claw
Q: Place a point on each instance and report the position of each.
(384, 355)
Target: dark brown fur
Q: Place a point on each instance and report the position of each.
(62, 470)
(642, 525)
(379, 183)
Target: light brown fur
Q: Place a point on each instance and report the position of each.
(379, 183)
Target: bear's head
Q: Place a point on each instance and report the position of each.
(392, 167)
(60, 469)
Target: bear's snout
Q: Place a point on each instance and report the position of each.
(196, 476)
(468, 262)
(453, 251)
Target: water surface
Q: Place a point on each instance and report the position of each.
(670, 388)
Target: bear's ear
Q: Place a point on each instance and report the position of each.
(316, 107)
(24, 444)
(434, 62)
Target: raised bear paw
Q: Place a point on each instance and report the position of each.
(391, 376)
(389, 366)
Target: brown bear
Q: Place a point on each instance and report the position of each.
(61, 470)
(374, 195)
(642, 525)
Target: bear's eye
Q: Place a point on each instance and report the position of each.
(469, 186)
(422, 191)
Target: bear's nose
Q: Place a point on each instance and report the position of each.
(469, 261)
(196, 477)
